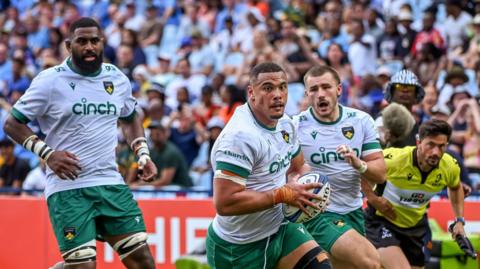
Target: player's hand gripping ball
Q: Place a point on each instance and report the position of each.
(294, 214)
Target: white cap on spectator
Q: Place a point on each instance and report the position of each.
(443, 109)
(476, 19)
(256, 13)
(215, 122)
(384, 70)
(405, 15)
(141, 70)
(164, 56)
(460, 89)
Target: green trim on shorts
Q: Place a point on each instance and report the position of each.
(233, 168)
(80, 215)
(264, 253)
(327, 227)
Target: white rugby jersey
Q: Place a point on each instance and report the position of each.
(79, 114)
(262, 156)
(319, 141)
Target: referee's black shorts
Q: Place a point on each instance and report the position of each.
(383, 233)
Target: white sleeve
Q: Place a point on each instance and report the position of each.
(371, 140)
(130, 102)
(34, 103)
(235, 153)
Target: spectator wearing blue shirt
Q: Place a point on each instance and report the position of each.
(5, 64)
(37, 37)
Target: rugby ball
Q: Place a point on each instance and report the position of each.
(294, 214)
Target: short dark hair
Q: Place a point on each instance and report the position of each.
(6, 142)
(435, 127)
(266, 67)
(82, 23)
(319, 70)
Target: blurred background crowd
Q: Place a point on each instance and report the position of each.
(188, 62)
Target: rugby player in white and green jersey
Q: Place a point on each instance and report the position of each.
(78, 104)
(252, 157)
(341, 143)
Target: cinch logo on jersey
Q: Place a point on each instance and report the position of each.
(284, 162)
(416, 197)
(236, 155)
(328, 156)
(85, 108)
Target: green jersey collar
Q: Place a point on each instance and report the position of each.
(340, 114)
(259, 123)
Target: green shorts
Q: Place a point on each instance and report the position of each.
(264, 253)
(327, 227)
(80, 215)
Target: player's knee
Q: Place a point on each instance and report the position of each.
(82, 254)
(129, 244)
(316, 258)
(369, 262)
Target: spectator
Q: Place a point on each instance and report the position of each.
(232, 97)
(201, 171)
(185, 134)
(201, 58)
(37, 36)
(191, 22)
(458, 119)
(296, 48)
(407, 34)
(150, 35)
(134, 19)
(427, 63)
(206, 109)
(429, 34)
(362, 51)
(171, 164)
(455, 77)
(129, 37)
(456, 25)
(162, 73)
(332, 34)
(14, 170)
(126, 60)
(5, 64)
(185, 78)
(35, 180)
(389, 42)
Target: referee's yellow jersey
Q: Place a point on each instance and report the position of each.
(409, 189)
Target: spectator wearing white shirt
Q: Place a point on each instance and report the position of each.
(36, 179)
(456, 25)
(135, 19)
(185, 78)
(362, 51)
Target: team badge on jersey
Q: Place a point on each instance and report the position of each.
(69, 232)
(108, 85)
(348, 132)
(286, 136)
(339, 223)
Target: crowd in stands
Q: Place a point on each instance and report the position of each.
(188, 62)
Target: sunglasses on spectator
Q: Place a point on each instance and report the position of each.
(409, 87)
